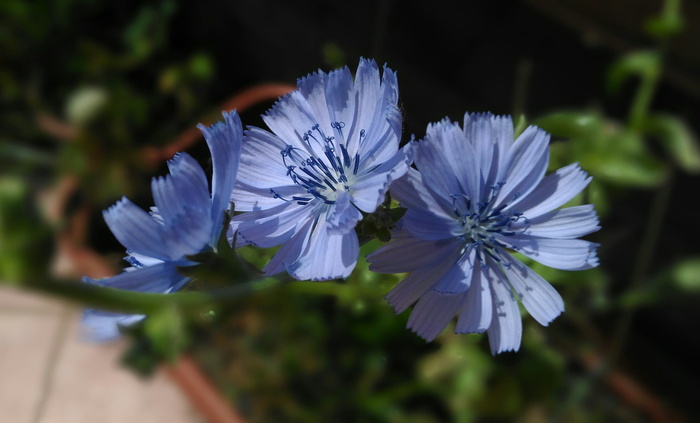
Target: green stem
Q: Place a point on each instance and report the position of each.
(643, 97)
(144, 303)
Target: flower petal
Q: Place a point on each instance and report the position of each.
(506, 330)
(553, 191)
(340, 105)
(139, 260)
(368, 190)
(342, 216)
(527, 163)
(313, 89)
(290, 251)
(225, 140)
(433, 162)
(428, 226)
(190, 232)
(417, 283)
(369, 96)
(261, 160)
(459, 278)
(565, 254)
(406, 254)
(271, 227)
(476, 311)
(186, 185)
(326, 256)
(433, 312)
(540, 299)
(136, 229)
(100, 326)
(249, 198)
(377, 114)
(291, 117)
(452, 154)
(572, 222)
(411, 193)
(161, 278)
(491, 155)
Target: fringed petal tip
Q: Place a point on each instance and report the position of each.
(496, 349)
(231, 120)
(489, 117)
(136, 229)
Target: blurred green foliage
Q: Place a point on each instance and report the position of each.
(19, 234)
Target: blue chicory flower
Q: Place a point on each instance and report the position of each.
(186, 220)
(332, 153)
(476, 196)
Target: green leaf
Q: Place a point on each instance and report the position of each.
(25, 244)
(668, 23)
(166, 329)
(643, 63)
(383, 234)
(623, 159)
(140, 357)
(570, 124)
(686, 274)
(333, 55)
(201, 66)
(677, 138)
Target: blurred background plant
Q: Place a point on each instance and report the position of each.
(97, 95)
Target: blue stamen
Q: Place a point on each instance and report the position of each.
(320, 173)
(276, 195)
(346, 156)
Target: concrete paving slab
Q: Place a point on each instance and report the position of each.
(49, 375)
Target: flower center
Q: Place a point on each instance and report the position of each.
(324, 167)
(482, 222)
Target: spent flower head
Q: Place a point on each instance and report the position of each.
(186, 220)
(331, 155)
(475, 197)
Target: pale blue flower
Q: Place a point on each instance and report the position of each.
(332, 153)
(476, 197)
(186, 220)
